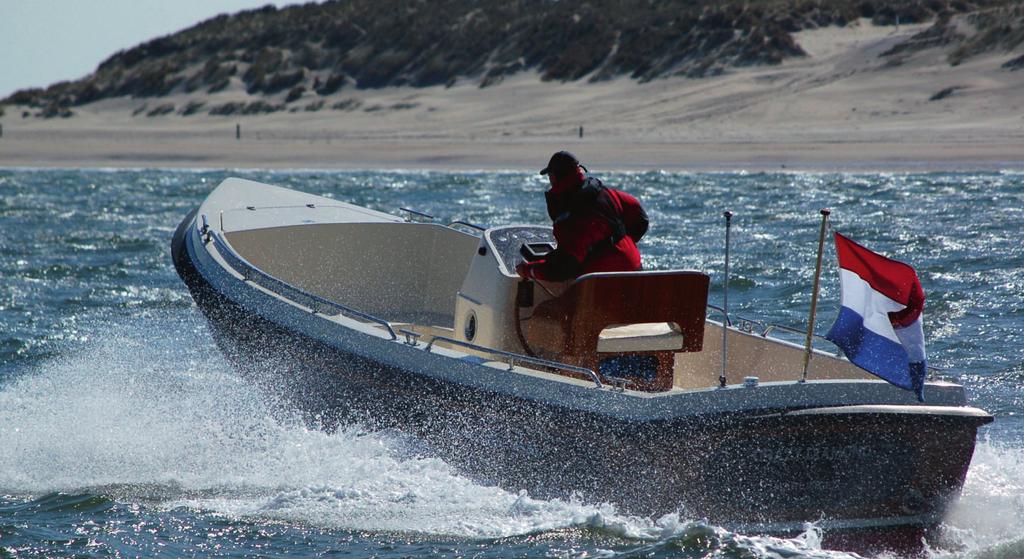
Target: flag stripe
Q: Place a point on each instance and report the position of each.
(872, 306)
(879, 355)
(889, 277)
(912, 338)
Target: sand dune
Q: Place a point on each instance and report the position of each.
(842, 107)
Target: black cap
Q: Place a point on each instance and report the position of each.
(560, 164)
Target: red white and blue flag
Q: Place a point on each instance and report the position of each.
(879, 324)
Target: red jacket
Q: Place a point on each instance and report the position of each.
(596, 229)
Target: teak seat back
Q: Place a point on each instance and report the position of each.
(567, 328)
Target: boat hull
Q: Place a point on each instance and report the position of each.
(765, 471)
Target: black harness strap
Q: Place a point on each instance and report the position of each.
(595, 197)
(592, 197)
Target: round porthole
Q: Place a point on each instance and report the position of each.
(470, 330)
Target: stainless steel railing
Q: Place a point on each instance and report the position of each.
(318, 304)
(466, 224)
(416, 213)
(721, 311)
(759, 328)
(513, 357)
(765, 328)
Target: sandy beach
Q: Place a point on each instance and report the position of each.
(843, 107)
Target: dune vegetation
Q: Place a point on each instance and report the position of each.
(293, 57)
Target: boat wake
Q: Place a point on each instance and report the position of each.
(987, 520)
(144, 414)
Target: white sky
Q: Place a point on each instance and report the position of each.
(45, 41)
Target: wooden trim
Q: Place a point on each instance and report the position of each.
(567, 328)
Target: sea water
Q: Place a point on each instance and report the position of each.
(124, 432)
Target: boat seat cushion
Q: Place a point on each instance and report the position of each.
(650, 336)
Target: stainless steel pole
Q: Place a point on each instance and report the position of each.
(725, 301)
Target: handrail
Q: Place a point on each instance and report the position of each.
(314, 302)
(413, 212)
(512, 357)
(728, 321)
(417, 212)
(468, 224)
(746, 324)
(791, 330)
(839, 352)
(768, 327)
(251, 273)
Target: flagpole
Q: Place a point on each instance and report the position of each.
(814, 294)
(725, 301)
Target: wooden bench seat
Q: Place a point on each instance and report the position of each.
(627, 307)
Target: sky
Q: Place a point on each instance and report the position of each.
(46, 41)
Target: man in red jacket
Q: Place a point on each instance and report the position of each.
(596, 227)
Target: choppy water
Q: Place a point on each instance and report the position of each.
(123, 432)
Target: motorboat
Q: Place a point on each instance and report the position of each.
(609, 388)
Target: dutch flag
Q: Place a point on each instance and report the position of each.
(879, 324)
